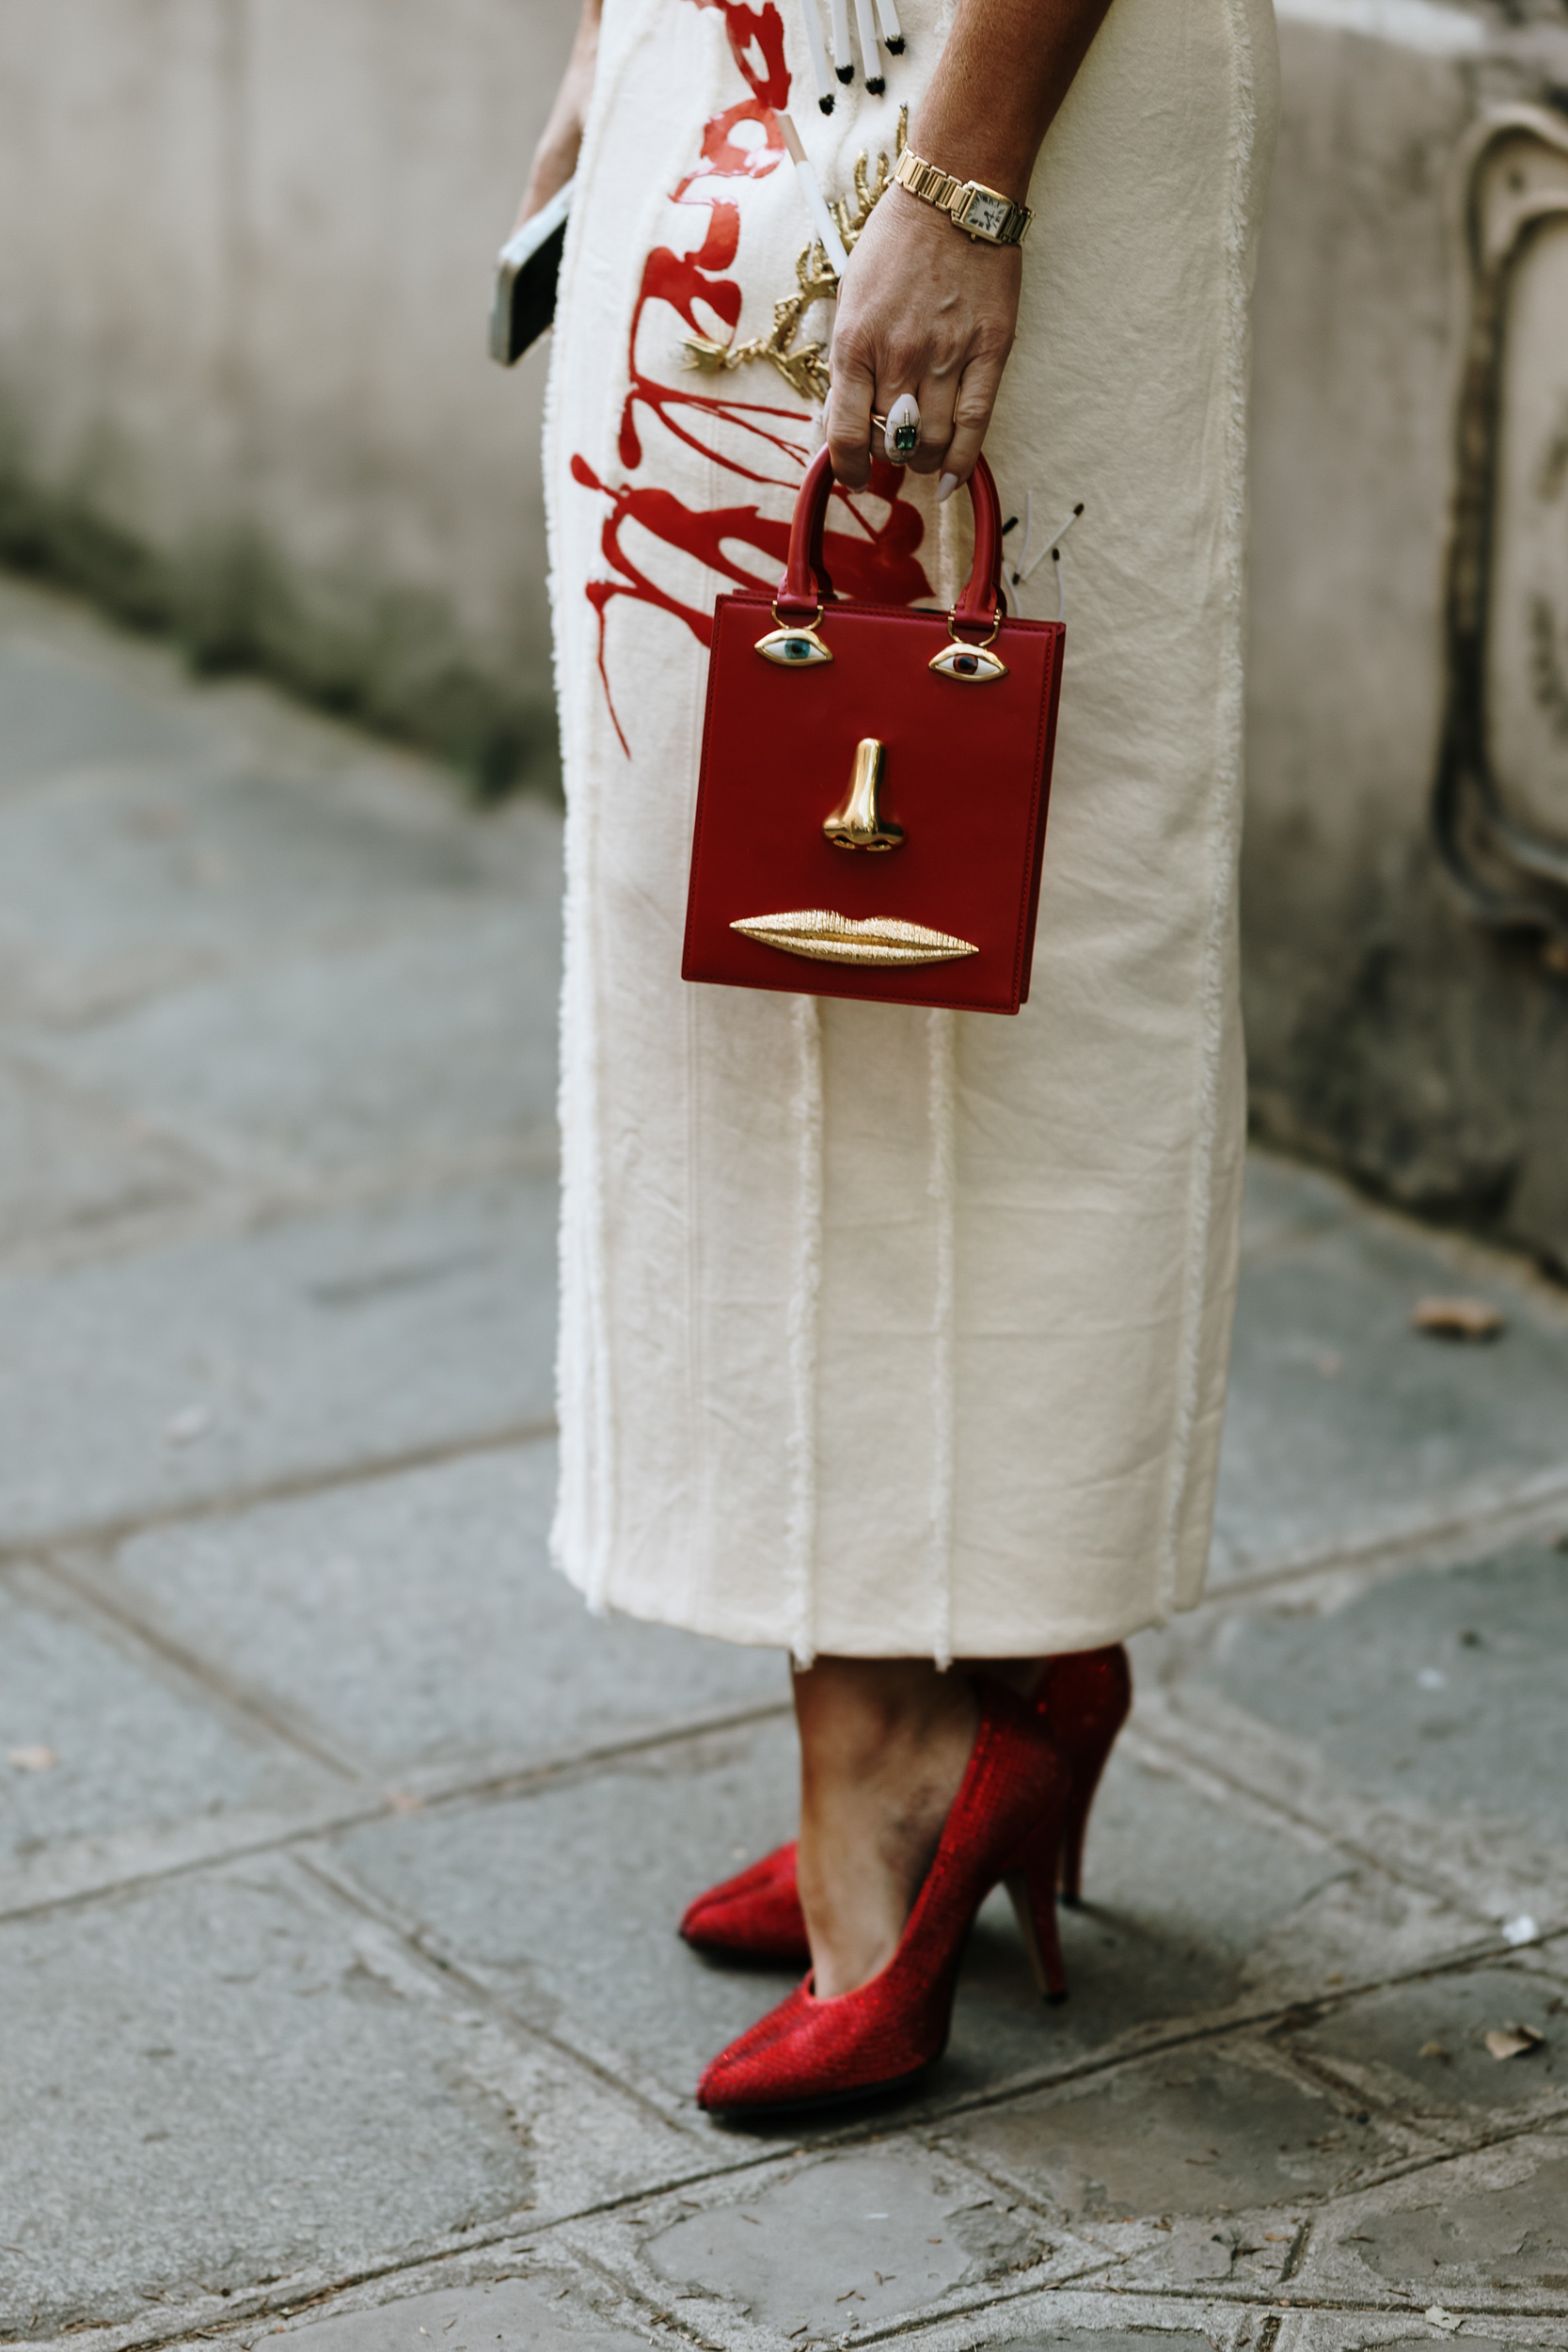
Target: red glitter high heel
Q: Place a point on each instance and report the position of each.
(1005, 1823)
(1086, 1696)
(753, 1917)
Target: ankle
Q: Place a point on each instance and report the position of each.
(884, 1744)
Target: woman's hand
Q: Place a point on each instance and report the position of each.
(555, 158)
(923, 310)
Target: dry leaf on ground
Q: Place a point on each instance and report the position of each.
(1511, 2041)
(1458, 1319)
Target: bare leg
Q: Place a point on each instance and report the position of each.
(885, 1742)
(883, 1746)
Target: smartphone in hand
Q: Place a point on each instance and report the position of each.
(523, 304)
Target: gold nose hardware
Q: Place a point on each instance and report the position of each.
(857, 826)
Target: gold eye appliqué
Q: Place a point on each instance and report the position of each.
(794, 648)
(972, 664)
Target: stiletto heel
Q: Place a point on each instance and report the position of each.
(1033, 1895)
(1004, 1822)
(1072, 1852)
(1086, 1696)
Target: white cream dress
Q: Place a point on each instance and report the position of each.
(887, 1332)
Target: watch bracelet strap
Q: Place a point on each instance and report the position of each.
(944, 189)
(926, 180)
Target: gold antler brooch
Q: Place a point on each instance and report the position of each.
(804, 366)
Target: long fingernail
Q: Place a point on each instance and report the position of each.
(946, 487)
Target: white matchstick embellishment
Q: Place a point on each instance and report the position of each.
(866, 24)
(816, 203)
(844, 61)
(820, 72)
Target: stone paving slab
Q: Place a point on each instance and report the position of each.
(891, 2230)
(421, 1047)
(219, 2080)
(1446, 1690)
(1064, 2338)
(241, 2091)
(1416, 1711)
(1486, 2232)
(1419, 2049)
(1212, 2131)
(1346, 1428)
(74, 1169)
(116, 885)
(1407, 2332)
(415, 1623)
(110, 1740)
(853, 2245)
(227, 1363)
(567, 1900)
(550, 2310)
(59, 712)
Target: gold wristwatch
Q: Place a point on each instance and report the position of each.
(978, 211)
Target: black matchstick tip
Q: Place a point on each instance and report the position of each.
(827, 104)
(875, 85)
(896, 48)
(845, 73)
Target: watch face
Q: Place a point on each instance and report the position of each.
(988, 216)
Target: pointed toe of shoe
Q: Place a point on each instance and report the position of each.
(808, 2054)
(742, 2080)
(755, 1916)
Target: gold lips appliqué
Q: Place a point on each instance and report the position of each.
(875, 939)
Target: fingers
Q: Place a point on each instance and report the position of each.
(848, 418)
(955, 415)
(977, 398)
(937, 394)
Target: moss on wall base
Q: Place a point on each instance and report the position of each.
(392, 659)
(1393, 1040)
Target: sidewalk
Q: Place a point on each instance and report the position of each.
(341, 1852)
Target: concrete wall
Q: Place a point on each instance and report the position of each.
(244, 390)
(244, 284)
(1388, 1033)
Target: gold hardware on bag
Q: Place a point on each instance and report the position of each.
(824, 938)
(797, 649)
(856, 825)
(971, 666)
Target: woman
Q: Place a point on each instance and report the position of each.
(895, 1337)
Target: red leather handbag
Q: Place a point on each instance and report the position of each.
(871, 806)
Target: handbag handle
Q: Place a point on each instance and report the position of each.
(805, 587)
